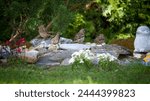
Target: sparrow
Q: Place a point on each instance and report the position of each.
(80, 36)
(100, 39)
(56, 39)
(43, 32)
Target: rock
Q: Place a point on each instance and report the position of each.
(65, 62)
(114, 50)
(75, 46)
(65, 41)
(29, 56)
(142, 40)
(54, 57)
(48, 63)
(5, 52)
(139, 55)
(60, 55)
(126, 61)
(40, 42)
(53, 47)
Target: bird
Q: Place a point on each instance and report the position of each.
(54, 43)
(100, 39)
(142, 40)
(56, 39)
(43, 32)
(80, 36)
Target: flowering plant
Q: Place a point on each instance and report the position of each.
(106, 57)
(82, 57)
(106, 60)
(86, 57)
(20, 41)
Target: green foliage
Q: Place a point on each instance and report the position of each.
(108, 17)
(63, 20)
(124, 36)
(78, 23)
(125, 16)
(31, 27)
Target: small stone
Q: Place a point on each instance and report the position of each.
(139, 55)
(53, 47)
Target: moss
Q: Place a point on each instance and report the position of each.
(128, 43)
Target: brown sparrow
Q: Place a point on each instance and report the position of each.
(55, 40)
(80, 36)
(43, 32)
(100, 39)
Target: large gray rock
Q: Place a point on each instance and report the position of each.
(54, 57)
(142, 40)
(74, 46)
(114, 50)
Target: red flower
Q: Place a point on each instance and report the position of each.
(20, 41)
(19, 50)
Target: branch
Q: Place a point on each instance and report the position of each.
(18, 32)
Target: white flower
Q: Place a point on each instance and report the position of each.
(81, 56)
(106, 56)
(71, 61)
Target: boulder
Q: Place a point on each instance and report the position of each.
(113, 49)
(54, 57)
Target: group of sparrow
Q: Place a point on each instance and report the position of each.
(79, 37)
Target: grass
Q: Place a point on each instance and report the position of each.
(112, 74)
